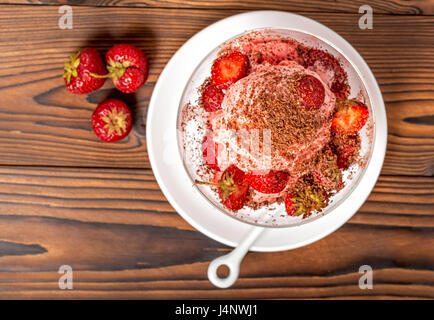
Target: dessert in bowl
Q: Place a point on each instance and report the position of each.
(176, 156)
(275, 127)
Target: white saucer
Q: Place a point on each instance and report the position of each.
(167, 163)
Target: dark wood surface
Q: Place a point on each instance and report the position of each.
(350, 6)
(51, 126)
(66, 198)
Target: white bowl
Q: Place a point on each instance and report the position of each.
(167, 163)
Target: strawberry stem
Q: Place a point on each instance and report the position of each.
(70, 67)
(100, 76)
(116, 70)
(206, 183)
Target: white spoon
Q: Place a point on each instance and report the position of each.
(232, 260)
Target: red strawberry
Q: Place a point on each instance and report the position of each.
(272, 182)
(311, 91)
(289, 204)
(327, 172)
(345, 147)
(212, 97)
(339, 85)
(232, 187)
(78, 71)
(112, 120)
(344, 156)
(350, 117)
(209, 151)
(127, 66)
(305, 200)
(229, 68)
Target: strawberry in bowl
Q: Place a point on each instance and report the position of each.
(232, 188)
(272, 52)
(278, 117)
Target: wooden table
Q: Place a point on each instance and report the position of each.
(69, 199)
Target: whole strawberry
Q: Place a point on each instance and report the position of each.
(80, 71)
(127, 66)
(232, 188)
(305, 201)
(112, 120)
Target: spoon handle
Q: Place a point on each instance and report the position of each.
(232, 260)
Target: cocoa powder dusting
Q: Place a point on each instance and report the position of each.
(281, 111)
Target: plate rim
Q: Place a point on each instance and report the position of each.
(373, 167)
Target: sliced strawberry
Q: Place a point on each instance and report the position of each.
(232, 188)
(350, 117)
(272, 182)
(339, 85)
(212, 97)
(229, 68)
(311, 91)
(209, 151)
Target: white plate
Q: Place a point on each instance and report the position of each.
(168, 165)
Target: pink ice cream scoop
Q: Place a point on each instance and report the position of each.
(263, 125)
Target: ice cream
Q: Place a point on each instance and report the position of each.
(265, 105)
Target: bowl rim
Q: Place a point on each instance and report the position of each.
(271, 20)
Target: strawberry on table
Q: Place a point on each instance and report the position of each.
(112, 120)
(350, 117)
(229, 68)
(127, 66)
(311, 91)
(232, 188)
(78, 71)
(272, 182)
(212, 97)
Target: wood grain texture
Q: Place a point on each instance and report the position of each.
(66, 198)
(42, 124)
(349, 6)
(123, 240)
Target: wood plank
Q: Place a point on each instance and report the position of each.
(418, 7)
(42, 124)
(133, 197)
(123, 240)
